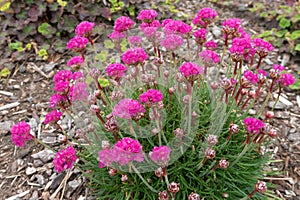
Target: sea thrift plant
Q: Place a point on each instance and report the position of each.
(158, 118)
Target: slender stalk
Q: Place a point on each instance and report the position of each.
(44, 145)
(277, 99)
(246, 148)
(144, 181)
(264, 104)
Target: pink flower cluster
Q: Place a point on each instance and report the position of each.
(200, 36)
(205, 17)
(116, 35)
(241, 49)
(250, 76)
(172, 42)
(116, 70)
(253, 125)
(287, 79)
(151, 97)
(134, 56)
(160, 155)
(278, 67)
(64, 159)
(57, 100)
(135, 40)
(21, 133)
(85, 28)
(123, 24)
(147, 16)
(53, 116)
(190, 69)
(154, 25)
(211, 45)
(128, 108)
(231, 26)
(76, 60)
(209, 57)
(78, 92)
(176, 27)
(263, 48)
(124, 151)
(77, 43)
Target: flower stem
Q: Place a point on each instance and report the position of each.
(277, 99)
(44, 145)
(142, 178)
(246, 148)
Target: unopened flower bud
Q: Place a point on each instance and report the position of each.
(166, 74)
(269, 114)
(171, 90)
(92, 99)
(223, 163)
(97, 93)
(261, 186)
(251, 94)
(160, 105)
(95, 109)
(159, 172)
(194, 114)
(272, 133)
(155, 131)
(234, 128)
(173, 187)
(90, 128)
(179, 77)
(244, 91)
(116, 95)
(210, 153)
(124, 178)
(62, 138)
(214, 85)
(194, 196)
(212, 139)
(95, 73)
(186, 99)
(178, 133)
(163, 195)
(105, 144)
(112, 172)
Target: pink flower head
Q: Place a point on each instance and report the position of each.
(211, 45)
(253, 125)
(177, 27)
(172, 42)
(154, 24)
(76, 60)
(116, 70)
(200, 36)
(135, 40)
(77, 75)
(62, 87)
(263, 48)
(134, 56)
(77, 43)
(84, 28)
(205, 17)
(78, 92)
(62, 76)
(190, 69)
(127, 150)
(241, 33)
(128, 108)
(56, 100)
(287, 79)
(53, 116)
(123, 24)
(20, 133)
(250, 76)
(209, 57)
(106, 157)
(116, 35)
(165, 22)
(151, 97)
(147, 15)
(160, 155)
(64, 159)
(241, 49)
(278, 67)
(231, 25)
(262, 72)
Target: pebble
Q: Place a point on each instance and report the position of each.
(38, 163)
(216, 31)
(34, 196)
(290, 193)
(5, 126)
(49, 140)
(74, 184)
(279, 105)
(44, 155)
(294, 137)
(48, 67)
(252, 112)
(40, 179)
(30, 170)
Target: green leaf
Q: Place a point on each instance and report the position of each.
(124, 43)
(296, 85)
(103, 82)
(89, 80)
(264, 14)
(43, 53)
(109, 44)
(284, 23)
(295, 35)
(102, 56)
(131, 9)
(5, 7)
(296, 18)
(15, 46)
(297, 48)
(265, 34)
(28, 46)
(62, 3)
(281, 33)
(44, 28)
(4, 72)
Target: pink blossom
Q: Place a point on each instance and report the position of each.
(152, 34)
(62, 75)
(172, 42)
(85, 28)
(241, 49)
(278, 67)
(56, 99)
(205, 17)
(135, 40)
(116, 35)
(77, 43)
(151, 97)
(62, 87)
(287, 79)
(263, 48)
(147, 15)
(78, 92)
(134, 56)
(154, 24)
(160, 155)
(211, 45)
(250, 76)
(127, 150)
(177, 27)
(262, 72)
(200, 36)
(209, 57)
(231, 25)
(21, 133)
(116, 70)
(106, 157)
(190, 69)
(77, 75)
(53, 116)
(64, 159)
(123, 24)
(76, 60)
(253, 125)
(241, 33)
(165, 22)
(128, 108)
